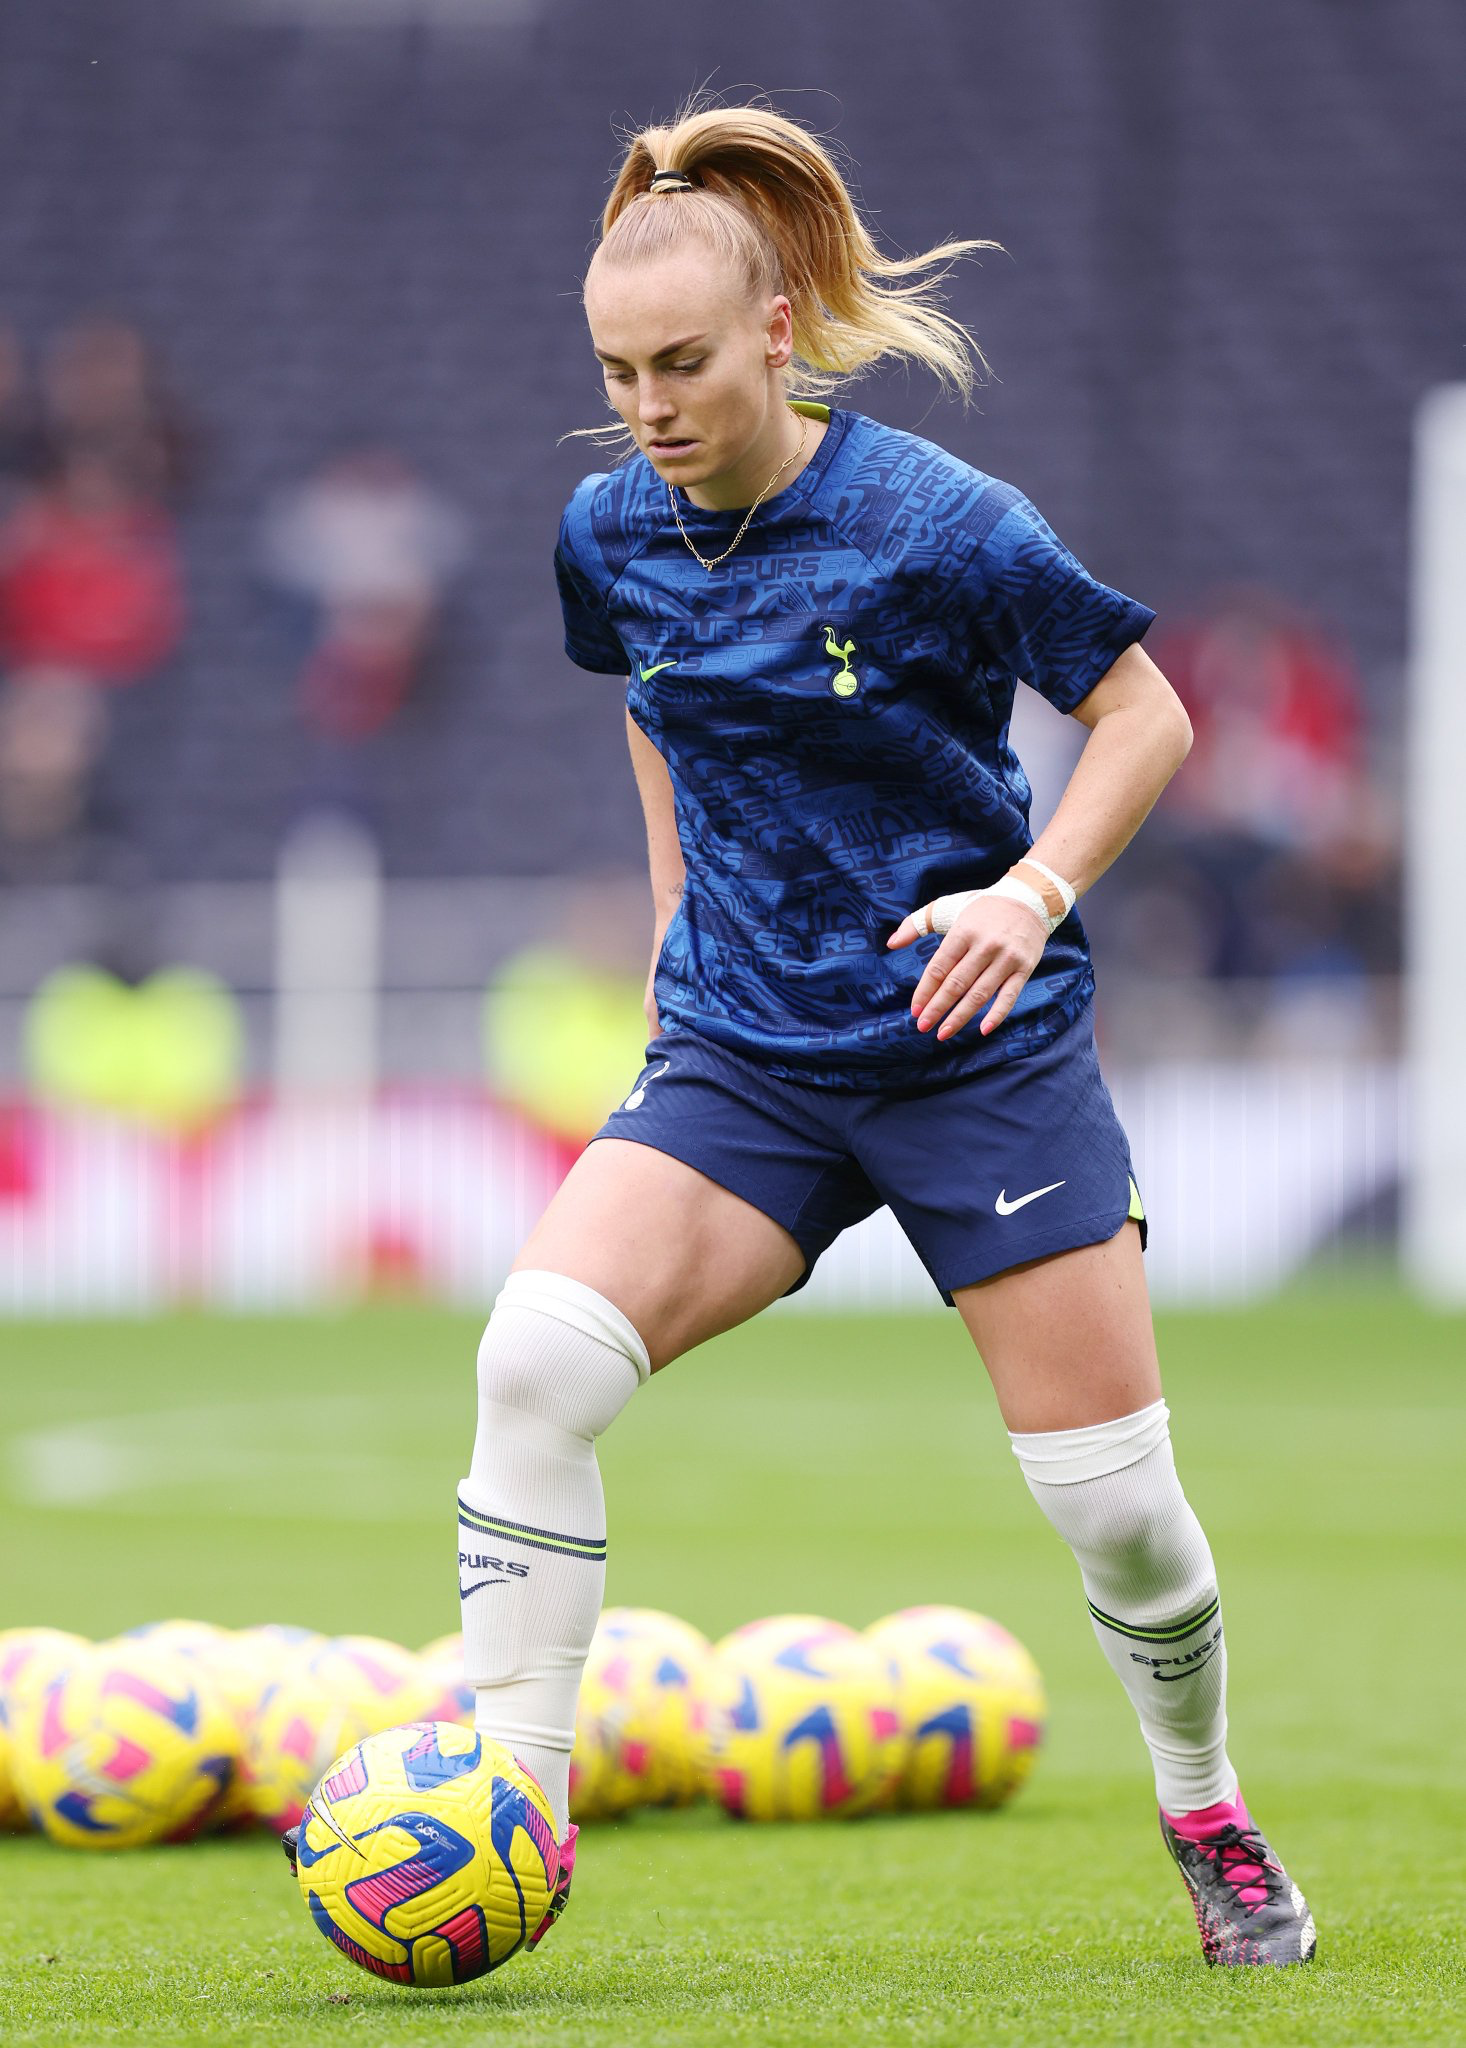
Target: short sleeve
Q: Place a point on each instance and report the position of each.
(1037, 611)
(590, 638)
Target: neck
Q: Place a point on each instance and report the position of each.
(737, 488)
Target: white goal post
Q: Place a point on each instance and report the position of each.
(1434, 1220)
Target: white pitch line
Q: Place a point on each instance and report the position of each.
(275, 1459)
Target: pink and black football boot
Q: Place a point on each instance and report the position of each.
(561, 1893)
(1248, 1909)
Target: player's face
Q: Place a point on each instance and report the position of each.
(693, 367)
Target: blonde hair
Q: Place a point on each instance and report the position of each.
(769, 197)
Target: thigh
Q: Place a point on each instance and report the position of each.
(1068, 1340)
(680, 1256)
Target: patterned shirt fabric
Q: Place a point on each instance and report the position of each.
(832, 704)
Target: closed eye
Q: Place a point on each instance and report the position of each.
(629, 376)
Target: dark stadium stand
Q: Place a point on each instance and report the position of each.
(1233, 269)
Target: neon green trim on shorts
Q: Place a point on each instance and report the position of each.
(1136, 1212)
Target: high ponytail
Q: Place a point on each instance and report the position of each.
(766, 194)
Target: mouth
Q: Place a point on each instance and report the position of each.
(670, 450)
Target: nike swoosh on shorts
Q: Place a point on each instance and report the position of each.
(1006, 1208)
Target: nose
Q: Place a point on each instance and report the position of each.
(655, 403)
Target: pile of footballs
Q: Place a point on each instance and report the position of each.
(179, 1728)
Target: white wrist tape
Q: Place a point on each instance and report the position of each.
(1050, 906)
(1067, 893)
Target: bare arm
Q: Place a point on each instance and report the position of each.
(664, 852)
(1139, 735)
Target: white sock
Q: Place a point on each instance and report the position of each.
(1112, 1493)
(557, 1364)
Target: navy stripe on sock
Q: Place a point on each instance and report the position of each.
(1169, 1632)
(592, 1548)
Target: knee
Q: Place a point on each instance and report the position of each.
(1134, 1527)
(516, 1365)
(555, 1352)
(1111, 1491)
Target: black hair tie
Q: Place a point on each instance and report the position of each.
(671, 181)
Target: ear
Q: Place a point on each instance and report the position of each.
(779, 335)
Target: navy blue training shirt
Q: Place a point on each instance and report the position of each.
(832, 704)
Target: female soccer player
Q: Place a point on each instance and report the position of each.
(869, 985)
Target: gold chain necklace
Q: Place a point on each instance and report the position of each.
(672, 496)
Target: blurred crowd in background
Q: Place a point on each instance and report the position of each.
(1271, 868)
(288, 348)
(98, 454)
(95, 462)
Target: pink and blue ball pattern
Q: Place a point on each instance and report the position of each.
(442, 1854)
(113, 1796)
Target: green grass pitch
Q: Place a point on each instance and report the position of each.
(304, 1471)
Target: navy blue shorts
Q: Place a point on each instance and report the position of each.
(1018, 1161)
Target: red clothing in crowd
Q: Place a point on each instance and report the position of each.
(94, 589)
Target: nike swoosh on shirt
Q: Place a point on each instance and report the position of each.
(1006, 1208)
(648, 673)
